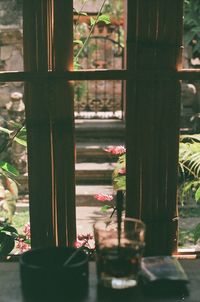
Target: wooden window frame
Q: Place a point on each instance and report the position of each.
(48, 76)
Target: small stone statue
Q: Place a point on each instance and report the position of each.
(16, 107)
(188, 104)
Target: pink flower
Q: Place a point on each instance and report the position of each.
(27, 231)
(77, 244)
(103, 197)
(116, 150)
(86, 240)
(22, 246)
(122, 171)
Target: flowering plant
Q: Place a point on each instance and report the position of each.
(10, 240)
(9, 236)
(87, 242)
(118, 177)
(119, 174)
(24, 241)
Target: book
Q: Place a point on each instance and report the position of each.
(163, 275)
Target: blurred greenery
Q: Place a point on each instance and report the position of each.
(189, 236)
(186, 237)
(192, 26)
(19, 220)
(189, 212)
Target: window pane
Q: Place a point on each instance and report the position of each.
(98, 45)
(189, 166)
(99, 143)
(11, 35)
(14, 198)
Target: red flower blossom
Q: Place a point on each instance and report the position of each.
(103, 197)
(116, 150)
(77, 244)
(22, 246)
(122, 171)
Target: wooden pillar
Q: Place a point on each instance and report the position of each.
(63, 124)
(48, 36)
(152, 119)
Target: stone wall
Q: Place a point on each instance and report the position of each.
(11, 46)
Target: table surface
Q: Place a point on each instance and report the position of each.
(10, 290)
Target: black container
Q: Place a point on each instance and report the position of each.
(45, 278)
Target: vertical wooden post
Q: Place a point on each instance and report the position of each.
(38, 125)
(152, 135)
(63, 124)
(48, 36)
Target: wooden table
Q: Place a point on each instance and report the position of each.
(10, 286)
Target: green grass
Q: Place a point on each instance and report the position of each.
(19, 220)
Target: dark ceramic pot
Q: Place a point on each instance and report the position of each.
(45, 278)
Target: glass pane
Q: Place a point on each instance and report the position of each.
(99, 144)
(14, 200)
(98, 40)
(11, 35)
(189, 167)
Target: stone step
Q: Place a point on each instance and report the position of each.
(96, 152)
(99, 130)
(94, 173)
(84, 196)
(86, 173)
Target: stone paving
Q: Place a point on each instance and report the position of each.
(87, 215)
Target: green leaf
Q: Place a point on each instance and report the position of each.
(197, 194)
(78, 42)
(104, 18)
(9, 168)
(28, 241)
(7, 243)
(191, 137)
(197, 232)
(105, 208)
(119, 182)
(21, 137)
(76, 65)
(9, 229)
(21, 141)
(22, 134)
(92, 21)
(5, 130)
